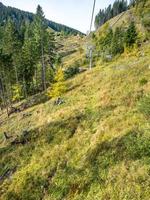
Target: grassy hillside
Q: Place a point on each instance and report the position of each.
(95, 146)
(71, 49)
(139, 14)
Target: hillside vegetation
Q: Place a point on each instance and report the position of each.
(111, 11)
(96, 144)
(96, 141)
(19, 17)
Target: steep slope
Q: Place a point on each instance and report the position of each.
(18, 16)
(71, 49)
(96, 145)
(96, 141)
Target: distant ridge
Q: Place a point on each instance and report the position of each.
(18, 16)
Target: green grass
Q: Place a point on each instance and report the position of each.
(94, 146)
(71, 50)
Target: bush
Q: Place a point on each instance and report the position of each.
(71, 71)
(145, 15)
(17, 92)
(84, 61)
(144, 105)
(59, 87)
(146, 20)
(143, 81)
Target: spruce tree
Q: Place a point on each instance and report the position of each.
(45, 48)
(9, 38)
(40, 33)
(11, 46)
(28, 61)
(131, 35)
(117, 46)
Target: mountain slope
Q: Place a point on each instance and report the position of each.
(18, 16)
(97, 140)
(96, 145)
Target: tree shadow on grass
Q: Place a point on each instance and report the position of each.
(23, 146)
(54, 133)
(132, 146)
(33, 101)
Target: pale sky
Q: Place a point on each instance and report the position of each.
(73, 13)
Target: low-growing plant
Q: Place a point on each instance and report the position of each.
(71, 71)
(144, 105)
(143, 81)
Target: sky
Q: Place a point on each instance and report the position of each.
(73, 13)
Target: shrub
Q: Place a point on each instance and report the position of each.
(143, 81)
(59, 87)
(81, 50)
(71, 71)
(17, 92)
(144, 105)
(85, 61)
(146, 19)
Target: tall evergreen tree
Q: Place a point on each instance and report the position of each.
(9, 37)
(44, 45)
(27, 60)
(5, 78)
(40, 33)
(118, 42)
(11, 46)
(131, 35)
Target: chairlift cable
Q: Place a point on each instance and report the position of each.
(92, 16)
(90, 48)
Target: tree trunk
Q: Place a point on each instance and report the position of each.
(24, 88)
(2, 90)
(3, 95)
(36, 80)
(43, 68)
(16, 74)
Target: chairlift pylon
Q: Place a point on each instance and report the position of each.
(90, 47)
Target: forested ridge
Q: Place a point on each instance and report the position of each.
(113, 10)
(19, 16)
(114, 40)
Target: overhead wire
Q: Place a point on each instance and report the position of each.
(90, 47)
(94, 3)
